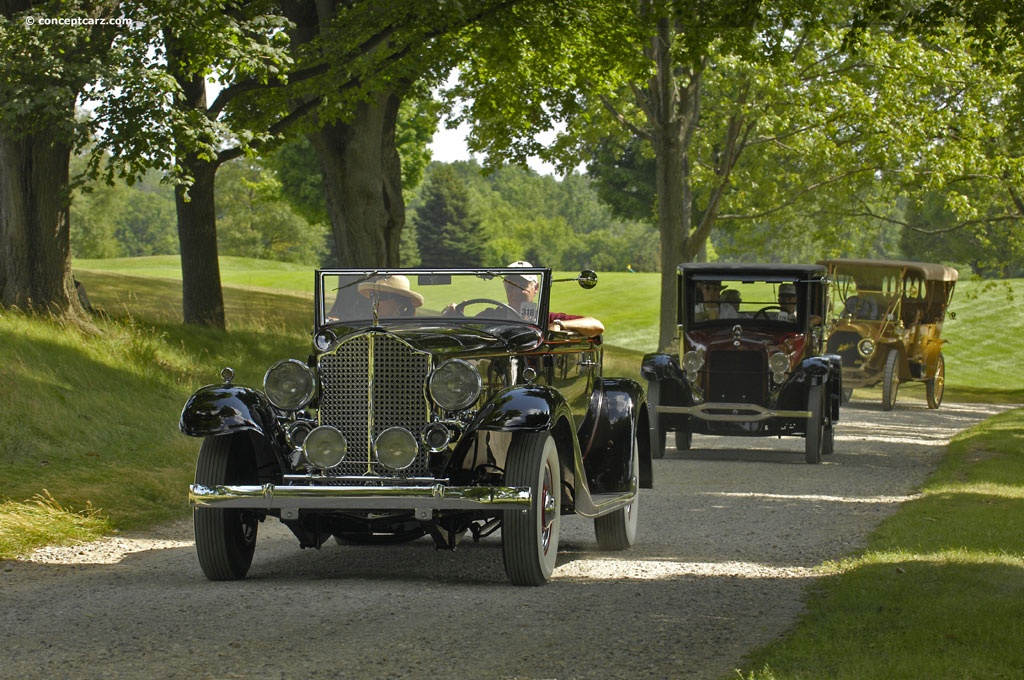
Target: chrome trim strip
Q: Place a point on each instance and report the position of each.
(434, 497)
(744, 412)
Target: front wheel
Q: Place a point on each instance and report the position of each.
(529, 538)
(225, 538)
(815, 429)
(617, 529)
(891, 380)
(937, 385)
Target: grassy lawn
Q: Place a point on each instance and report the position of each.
(939, 591)
(89, 445)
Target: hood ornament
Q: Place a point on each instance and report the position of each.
(737, 333)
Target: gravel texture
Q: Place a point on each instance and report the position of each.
(728, 541)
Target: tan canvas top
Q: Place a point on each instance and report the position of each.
(928, 270)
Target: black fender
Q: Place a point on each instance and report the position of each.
(659, 366)
(816, 370)
(224, 409)
(529, 408)
(835, 380)
(522, 407)
(826, 370)
(673, 387)
(616, 415)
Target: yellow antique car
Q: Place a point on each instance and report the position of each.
(885, 321)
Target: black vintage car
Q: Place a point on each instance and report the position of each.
(749, 360)
(429, 405)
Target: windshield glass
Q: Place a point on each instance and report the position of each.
(712, 299)
(353, 296)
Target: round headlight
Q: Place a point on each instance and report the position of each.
(396, 448)
(778, 362)
(693, 361)
(866, 347)
(289, 384)
(455, 384)
(325, 447)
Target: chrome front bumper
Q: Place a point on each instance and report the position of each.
(423, 499)
(736, 412)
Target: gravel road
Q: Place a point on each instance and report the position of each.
(728, 540)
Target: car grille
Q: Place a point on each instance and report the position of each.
(367, 385)
(737, 377)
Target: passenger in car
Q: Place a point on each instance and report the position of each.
(710, 292)
(392, 296)
(729, 305)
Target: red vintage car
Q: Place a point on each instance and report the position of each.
(750, 358)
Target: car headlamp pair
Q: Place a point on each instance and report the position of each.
(778, 364)
(693, 361)
(326, 447)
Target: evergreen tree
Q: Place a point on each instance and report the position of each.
(447, 230)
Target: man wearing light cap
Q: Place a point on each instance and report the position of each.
(521, 289)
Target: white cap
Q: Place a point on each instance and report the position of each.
(532, 278)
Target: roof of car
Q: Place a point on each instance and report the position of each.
(737, 269)
(930, 270)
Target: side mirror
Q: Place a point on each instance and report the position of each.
(587, 279)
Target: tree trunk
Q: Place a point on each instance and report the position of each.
(35, 253)
(667, 109)
(202, 299)
(363, 184)
(201, 294)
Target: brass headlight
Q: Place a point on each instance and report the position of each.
(778, 363)
(693, 361)
(866, 347)
(289, 384)
(455, 385)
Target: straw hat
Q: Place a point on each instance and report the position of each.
(395, 284)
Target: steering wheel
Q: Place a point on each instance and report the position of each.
(460, 308)
(763, 312)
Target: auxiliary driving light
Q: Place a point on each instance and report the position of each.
(325, 447)
(396, 448)
(436, 436)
